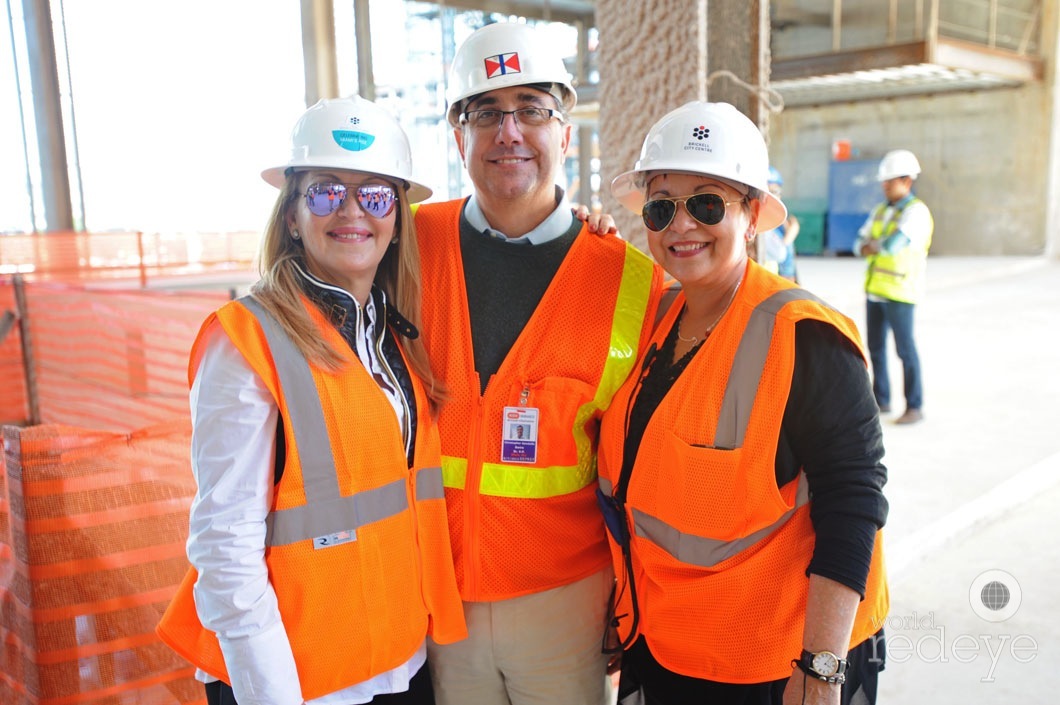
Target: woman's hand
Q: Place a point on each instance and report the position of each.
(599, 223)
(816, 692)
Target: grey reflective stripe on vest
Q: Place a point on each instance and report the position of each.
(704, 552)
(733, 418)
(326, 511)
(747, 366)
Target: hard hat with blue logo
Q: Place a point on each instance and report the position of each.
(350, 133)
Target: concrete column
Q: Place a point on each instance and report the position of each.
(365, 71)
(318, 50)
(47, 109)
(656, 56)
(1050, 51)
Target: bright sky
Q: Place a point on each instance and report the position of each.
(179, 105)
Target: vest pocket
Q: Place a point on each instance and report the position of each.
(701, 490)
(558, 400)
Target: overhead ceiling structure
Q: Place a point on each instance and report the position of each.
(569, 11)
(912, 48)
(971, 45)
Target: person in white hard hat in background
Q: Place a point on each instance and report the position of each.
(531, 321)
(740, 469)
(895, 240)
(319, 542)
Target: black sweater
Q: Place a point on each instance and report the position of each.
(505, 283)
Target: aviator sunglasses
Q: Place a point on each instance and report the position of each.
(707, 208)
(326, 197)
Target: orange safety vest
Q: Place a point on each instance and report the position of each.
(520, 528)
(719, 553)
(357, 546)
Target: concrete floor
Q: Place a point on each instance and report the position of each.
(975, 488)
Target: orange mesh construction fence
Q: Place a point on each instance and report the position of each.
(87, 256)
(112, 359)
(92, 533)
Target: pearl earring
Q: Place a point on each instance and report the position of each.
(295, 235)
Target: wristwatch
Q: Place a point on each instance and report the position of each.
(822, 665)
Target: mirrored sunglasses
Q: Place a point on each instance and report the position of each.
(707, 208)
(325, 198)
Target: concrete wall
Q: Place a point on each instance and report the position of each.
(991, 158)
(985, 157)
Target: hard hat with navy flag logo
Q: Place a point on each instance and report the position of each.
(712, 139)
(501, 55)
(350, 133)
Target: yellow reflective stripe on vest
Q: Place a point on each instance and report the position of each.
(631, 306)
(527, 482)
(521, 481)
(705, 552)
(326, 510)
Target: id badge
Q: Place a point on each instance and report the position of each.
(519, 435)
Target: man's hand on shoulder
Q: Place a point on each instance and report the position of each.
(599, 223)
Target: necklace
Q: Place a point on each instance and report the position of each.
(693, 339)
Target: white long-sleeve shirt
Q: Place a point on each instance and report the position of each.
(233, 452)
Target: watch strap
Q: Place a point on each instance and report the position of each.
(805, 664)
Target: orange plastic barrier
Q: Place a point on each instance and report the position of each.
(113, 359)
(88, 256)
(92, 533)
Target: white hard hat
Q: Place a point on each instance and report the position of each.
(501, 55)
(712, 139)
(900, 162)
(350, 133)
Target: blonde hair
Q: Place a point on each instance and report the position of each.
(280, 288)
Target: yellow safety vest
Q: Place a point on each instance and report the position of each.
(898, 277)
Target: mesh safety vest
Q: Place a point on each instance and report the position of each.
(357, 544)
(520, 528)
(719, 553)
(898, 277)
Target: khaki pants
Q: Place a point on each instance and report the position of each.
(539, 649)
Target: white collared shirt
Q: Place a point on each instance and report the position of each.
(549, 229)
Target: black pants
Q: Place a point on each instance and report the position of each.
(660, 686)
(420, 692)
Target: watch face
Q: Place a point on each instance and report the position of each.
(826, 663)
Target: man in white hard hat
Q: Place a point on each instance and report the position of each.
(529, 320)
(895, 240)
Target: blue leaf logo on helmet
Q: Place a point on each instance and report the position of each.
(352, 141)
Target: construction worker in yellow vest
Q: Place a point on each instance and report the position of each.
(895, 240)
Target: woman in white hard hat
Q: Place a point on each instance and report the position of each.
(733, 585)
(319, 543)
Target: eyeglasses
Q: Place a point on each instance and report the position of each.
(707, 208)
(325, 198)
(529, 117)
